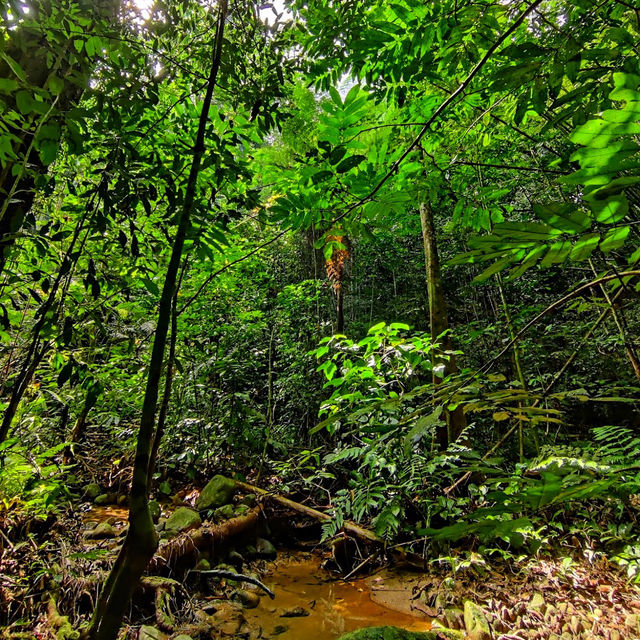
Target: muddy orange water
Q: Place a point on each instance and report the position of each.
(334, 606)
(102, 513)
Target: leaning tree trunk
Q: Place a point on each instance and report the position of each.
(142, 540)
(62, 77)
(439, 323)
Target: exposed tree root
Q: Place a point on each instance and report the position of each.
(60, 626)
(182, 552)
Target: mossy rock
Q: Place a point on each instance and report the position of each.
(155, 510)
(105, 498)
(248, 599)
(150, 633)
(241, 510)
(395, 633)
(218, 492)
(182, 519)
(249, 500)
(92, 491)
(476, 622)
(202, 565)
(223, 513)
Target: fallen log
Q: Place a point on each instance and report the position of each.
(348, 527)
(183, 551)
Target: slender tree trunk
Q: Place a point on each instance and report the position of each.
(623, 329)
(518, 366)
(340, 308)
(166, 395)
(142, 540)
(79, 428)
(439, 323)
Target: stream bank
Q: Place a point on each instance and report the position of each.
(575, 594)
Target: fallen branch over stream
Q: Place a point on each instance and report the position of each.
(348, 527)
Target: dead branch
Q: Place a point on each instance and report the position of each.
(231, 575)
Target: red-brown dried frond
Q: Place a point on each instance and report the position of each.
(335, 265)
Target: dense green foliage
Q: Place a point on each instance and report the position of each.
(302, 346)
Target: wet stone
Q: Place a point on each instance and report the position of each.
(296, 612)
(102, 531)
(265, 549)
(247, 599)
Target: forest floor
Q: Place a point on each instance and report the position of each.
(560, 594)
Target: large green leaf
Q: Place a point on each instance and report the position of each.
(563, 216)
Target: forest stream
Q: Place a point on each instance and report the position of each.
(310, 601)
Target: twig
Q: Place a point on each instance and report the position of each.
(365, 561)
(230, 575)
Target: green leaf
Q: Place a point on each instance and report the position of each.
(564, 217)
(496, 267)
(610, 211)
(321, 176)
(558, 253)
(352, 95)
(524, 231)
(8, 85)
(335, 96)
(584, 247)
(24, 101)
(56, 85)
(614, 239)
(48, 150)
(14, 66)
(349, 163)
(424, 426)
(598, 133)
(337, 153)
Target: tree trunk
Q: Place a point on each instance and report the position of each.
(79, 428)
(439, 323)
(142, 540)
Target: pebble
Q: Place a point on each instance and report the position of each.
(103, 530)
(296, 612)
(248, 599)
